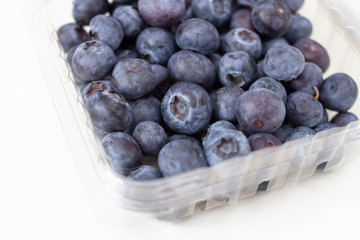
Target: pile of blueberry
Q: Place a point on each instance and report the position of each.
(190, 83)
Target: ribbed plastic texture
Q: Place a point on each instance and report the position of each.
(176, 197)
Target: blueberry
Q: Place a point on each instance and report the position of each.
(310, 77)
(224, 102)
(246, 3)
(156, 45)
(93, 60)
(160, 73)
(273, 42)
(272, 85)
(260, 111)
(294, 5)
(130, 20)
(186, 137)
(242, 39)
(283, 63)
(186, 108)
(260, 69)
(299, 132)
(242, 19)
(215, 59)
(125, 53)
(145, 172)
(324, 126)
(95, 86)
(77, 80)
(300, 27)
(313, 52)
(218, 12)
(282, 132)
(271, 18)
(344, 118)
(263, 140)
(197, 35)
(325, 117)
(100, 133)
(85, 10)
(180, 156)
(70, 35)
(107, 30)
(339, 92)
(237, 69)
(145, 109)
(133, 78)
(219, 125)
(192, 67)
(108, 110)
(151, 137)
(302, 109)
(123, 153)
(224, 144)
(161, 13)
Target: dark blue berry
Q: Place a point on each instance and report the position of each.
(242, 19)
(237, 69)
(145, 172)
(123, 153)
(273, 42)
(246, 3)
(95, 86)
(299, 132)
(84, 10)
(107, 30)
(151, 137)
(133, 78)
(93, 60)
(197, 35)
(300, 27)
(156, 45)
(130, 20)
(242, 39)
(282, 132)
(70, 35)
(272, 85)
(310, 77)
(324, 126)
(283, 63)
(192, 67)
(260, 111)
(186, 108)
(263, 140)
(180, 156)
(218, 12)
(294, 5)
(339, 92)
(186, 137)
(302, 109)
(344, 118)
(224, 100)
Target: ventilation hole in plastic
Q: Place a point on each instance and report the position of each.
(321, 167)
(263, 186)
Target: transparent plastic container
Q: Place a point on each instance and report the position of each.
(224, 184)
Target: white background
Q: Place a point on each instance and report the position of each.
(42, 197)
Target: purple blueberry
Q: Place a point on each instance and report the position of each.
(313, 52)
(218, 12)
(121, 54)
(310, 77)
(156, 45)
(302, 109)
(283, 63)
(95, 86)
(344, 118)
(93, 60)
(300, 27)
(224, 100)
(294, 5)
(263, 140)
(260, 111)
(70, 35)
(339, 92)
(84, 10)
(186, 137)
(123, 153)
(161, 13)
(272, 85)
(242, 19)
(299, 132)
(151, 137)
(145, 173)
(180, 156)
(324, 126)
(192, 67)
(130, 20)
(107, 30)
(273, 42)
(198, 35)
(133, 78)
(186, 108)
(242, 39)
(108, 110)
(271, 18)
(246, 3)
(224, 144)
(282, 132)
(237, 69)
